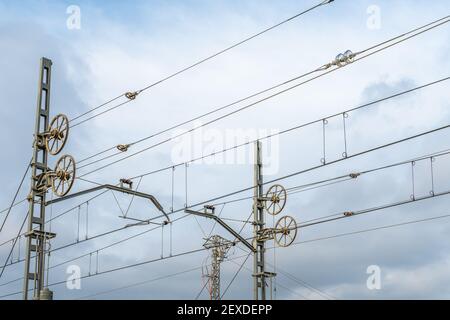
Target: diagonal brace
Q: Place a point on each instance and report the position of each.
(114, 188)
(223, 224)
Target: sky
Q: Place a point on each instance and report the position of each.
(116, 47)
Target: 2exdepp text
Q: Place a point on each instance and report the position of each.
(224, 310)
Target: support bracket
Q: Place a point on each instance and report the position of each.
(224, 225)
(113, 188)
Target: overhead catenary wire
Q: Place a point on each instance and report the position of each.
(96, 250)
(284, 177)
(293, 128)
(14, 205)
(341, 215)
(153, 171)
(203, 287)
(240, 231)
(15, 197)
(379, 208)
(258, 93)
(14, 244)
(144, 282)
(365, 211)
(190, 120)
(271, 135)
(308, 169)
(223, 203)
(149, 86)
(62, 214)
(292, 291)
(97, 107)
(369, 210)
(305, 284)
(334, 236)
(413, 199)
(140, 283)
(20, 234)
(304, 223)
(313, 168)
(324, 68)
(118, 269)
(373, 229)
(340, 178)
(235, 275)
(296, 173)
(75, 207)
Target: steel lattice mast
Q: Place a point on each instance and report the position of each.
(219, 248)
(36, 235)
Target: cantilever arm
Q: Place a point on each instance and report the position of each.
(223, 224)
(114, 188)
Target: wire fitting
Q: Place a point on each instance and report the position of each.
(341, 60)
(131, 95)
(354, 175)
(349, 213)
(128, 182)
(345, 58)
(209, 209)
(123, 147)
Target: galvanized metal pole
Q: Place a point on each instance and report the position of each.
(36, 235)
(259, 276)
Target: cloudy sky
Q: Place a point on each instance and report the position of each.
(125, 46)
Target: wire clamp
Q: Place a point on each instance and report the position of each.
(354, 175)
(127, 182)
(131, 95)
(123, 147)
(349, 213)
(210, 209)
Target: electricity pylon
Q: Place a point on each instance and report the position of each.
(219, 248)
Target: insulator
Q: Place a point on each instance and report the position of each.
(349, 56)
(340, 59)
